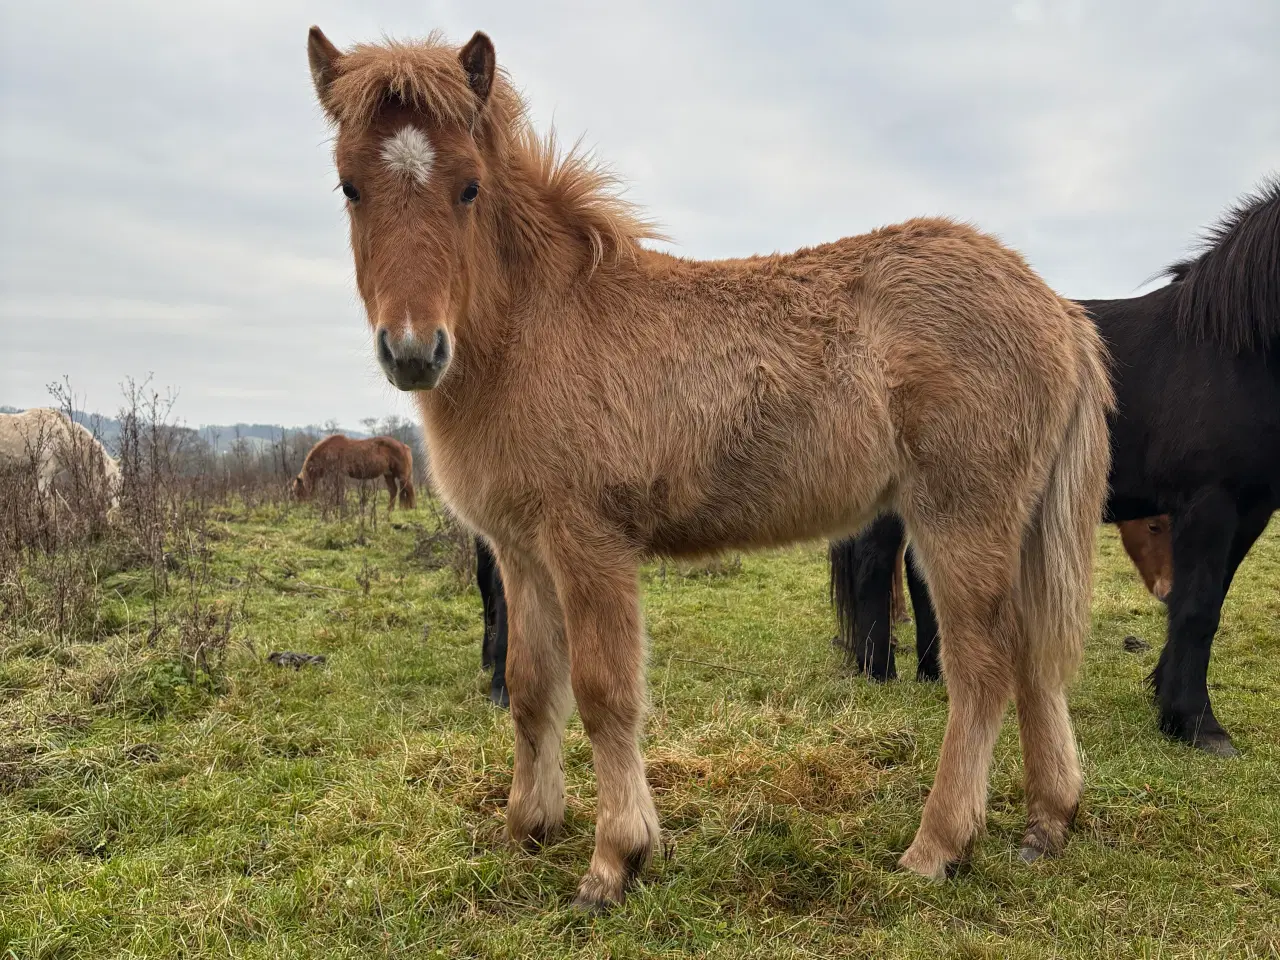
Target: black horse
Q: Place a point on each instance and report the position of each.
(1196, 435)
(493, 651)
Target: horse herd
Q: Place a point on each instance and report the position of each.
(917, 391)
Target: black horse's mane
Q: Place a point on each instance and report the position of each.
(1230, 293)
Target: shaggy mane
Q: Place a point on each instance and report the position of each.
(427, 75)
(1230, 294)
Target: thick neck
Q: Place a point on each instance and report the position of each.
(525, 247)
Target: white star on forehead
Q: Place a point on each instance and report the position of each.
(409, 152)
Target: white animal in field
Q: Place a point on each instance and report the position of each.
(64, 453)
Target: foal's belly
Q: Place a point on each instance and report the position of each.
(779, 495)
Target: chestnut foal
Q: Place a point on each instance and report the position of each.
(589, 403)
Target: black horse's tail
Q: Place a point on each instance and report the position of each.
(844, 587)
(862, 572)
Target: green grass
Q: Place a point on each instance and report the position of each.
(356, 809)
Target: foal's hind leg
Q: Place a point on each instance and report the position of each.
(1051, 765)
(537, 676)
(974, 592)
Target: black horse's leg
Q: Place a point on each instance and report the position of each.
(861, 585)
(498, 685)
(928, 667)
(493, 651)
(485, 567)
(1203, 534)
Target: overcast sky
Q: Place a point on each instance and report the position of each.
(169, 204)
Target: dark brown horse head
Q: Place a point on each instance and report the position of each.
(300, 487)
(409, 120)
(1150, 546)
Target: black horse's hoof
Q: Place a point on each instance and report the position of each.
(875, 675)
(500, 697)
(1216, 744)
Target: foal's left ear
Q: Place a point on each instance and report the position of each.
(479, 61)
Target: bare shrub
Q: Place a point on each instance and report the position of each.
(445, 543)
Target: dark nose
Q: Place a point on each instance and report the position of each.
(410, 363)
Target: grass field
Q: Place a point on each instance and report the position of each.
(150, 808)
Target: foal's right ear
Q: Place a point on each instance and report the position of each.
(323, 57)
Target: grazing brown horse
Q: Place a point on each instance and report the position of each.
(1150, 546)
(589, 403)
(339, 456)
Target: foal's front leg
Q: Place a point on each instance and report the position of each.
(606, 651)
(537, 679)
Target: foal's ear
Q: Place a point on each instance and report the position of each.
(479, 61)
(324, 57)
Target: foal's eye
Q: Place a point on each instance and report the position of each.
(470, 192)
(349, 191)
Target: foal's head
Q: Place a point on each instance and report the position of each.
(409, 117)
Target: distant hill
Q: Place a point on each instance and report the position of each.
(222, 437)
(278, 444)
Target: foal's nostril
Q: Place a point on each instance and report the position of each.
(439, 349)
(384, 347)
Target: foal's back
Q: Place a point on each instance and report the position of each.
(862, 357)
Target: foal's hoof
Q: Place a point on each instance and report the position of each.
(1046, 837)
(535, 837)
(1217, 744)
(930, 866)
(596, 895)
(587, 907)
(533, 834)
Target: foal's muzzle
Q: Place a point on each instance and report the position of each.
(412, 364)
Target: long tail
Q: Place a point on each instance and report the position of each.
(858, 566)
(844, 588)
(1057, 557)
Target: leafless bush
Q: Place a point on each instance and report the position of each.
(56, 493)
(445, 543)
(56, 544)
